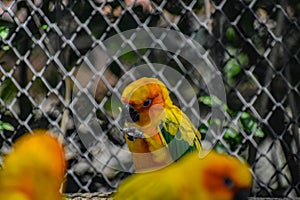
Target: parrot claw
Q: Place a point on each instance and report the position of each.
(133, 133)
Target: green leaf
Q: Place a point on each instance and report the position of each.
(212, 100)
(3, 32)
(230, 133)
(216, 122)
(6, 126)
(203, 128)
(44, 27)
(8, 91)
(5, 48)
(206, 100)
(234, 64)
(220, 148)
(232, 68)
(230, 34)
(249, 125)
(243, 59)
(259, 133)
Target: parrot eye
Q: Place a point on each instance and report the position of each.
(228, 182)
(147, 102)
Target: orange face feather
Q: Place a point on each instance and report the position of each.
(148, 97)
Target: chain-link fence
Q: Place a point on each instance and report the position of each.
(56, 74)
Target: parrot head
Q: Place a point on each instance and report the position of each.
(144, 102)
(228, 178)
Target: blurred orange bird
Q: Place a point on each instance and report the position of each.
(213, 177)
(158, 132)
(34, 170)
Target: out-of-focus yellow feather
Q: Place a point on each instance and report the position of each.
(213, 177)
(34, 170)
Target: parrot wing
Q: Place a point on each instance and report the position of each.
(179, 133)
(138, 186)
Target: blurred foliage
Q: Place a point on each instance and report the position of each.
(4, 31)
(8, 91)
(233, 67)
(6, 126)
(239, 122)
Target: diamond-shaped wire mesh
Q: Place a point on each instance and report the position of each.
(55, 76)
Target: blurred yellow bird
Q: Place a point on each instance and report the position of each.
(213, 177)
(158, 132)
(34, 170)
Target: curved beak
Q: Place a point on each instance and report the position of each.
(129, 114)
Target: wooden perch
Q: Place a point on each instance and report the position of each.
(89, 196)
(107, 196)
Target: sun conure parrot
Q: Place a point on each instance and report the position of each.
(34, 170)
(158, 132)
(211, 177)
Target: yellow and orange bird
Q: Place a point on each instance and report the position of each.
(213, 177)
(158, 132)
(34, 170)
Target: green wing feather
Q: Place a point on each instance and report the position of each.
(179, 133)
